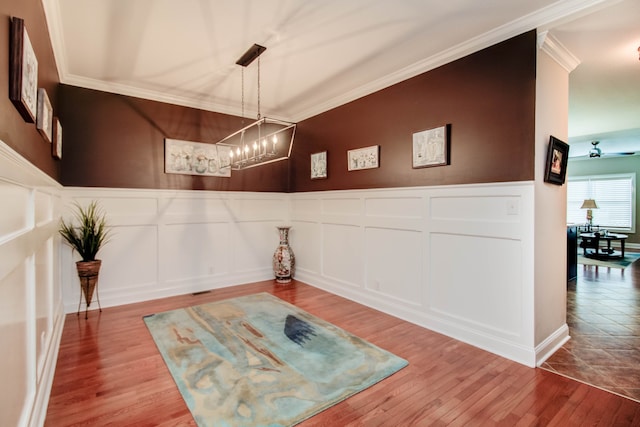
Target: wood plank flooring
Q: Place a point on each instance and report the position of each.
(109, 372)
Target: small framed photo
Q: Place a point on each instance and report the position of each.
(319, 165)
(44, 120)
(556, 165)
(363, 158)
(431, 147)
(23, 72)
(56, 148)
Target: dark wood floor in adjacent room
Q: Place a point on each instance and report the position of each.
(603, 315)
(109, 372)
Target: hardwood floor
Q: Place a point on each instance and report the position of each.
(109, 372)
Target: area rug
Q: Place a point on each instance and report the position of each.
(629, 258)
(260, 361)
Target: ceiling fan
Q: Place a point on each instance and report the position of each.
(596, 152)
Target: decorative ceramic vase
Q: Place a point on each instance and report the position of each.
(283, 258)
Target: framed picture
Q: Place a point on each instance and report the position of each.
(556, 165)
(319, 165)
(56, 148)
(363, 158)
(44, 120)
(431, 147)
(196, 158)
(23, 72)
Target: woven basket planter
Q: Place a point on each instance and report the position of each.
(88, 273)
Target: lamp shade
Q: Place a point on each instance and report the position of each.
(589, 204)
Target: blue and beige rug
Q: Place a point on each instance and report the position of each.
(260, 361)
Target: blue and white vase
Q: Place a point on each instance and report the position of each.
(284, 260)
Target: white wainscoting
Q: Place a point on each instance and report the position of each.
(455, 259)
(31, 311)
(166, 243)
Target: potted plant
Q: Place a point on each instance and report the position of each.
(86, 235)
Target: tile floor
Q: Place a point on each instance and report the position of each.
(603, 314)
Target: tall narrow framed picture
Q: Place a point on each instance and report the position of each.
(44, 120)
(56, 148)
(363, 158)
(23, 72)
(556, 165)
(431, 147)
(319, 165)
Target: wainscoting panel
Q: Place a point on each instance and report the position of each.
(31, 311)
(16, 371)
(176, 242)
(455, 259)
(305, 208)
(304, 239)
(125, 269)
(474, 295)
(14, 220)
(193, 251)
(342, 253)
(346, 206)
(394, 263)
(44, 302)
(408, 207)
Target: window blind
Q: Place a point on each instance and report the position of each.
(614, 194)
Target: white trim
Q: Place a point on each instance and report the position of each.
(557, 51)
(551, 344)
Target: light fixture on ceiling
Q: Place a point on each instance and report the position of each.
(263, 141)
(595, 151)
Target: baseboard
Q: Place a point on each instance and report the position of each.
(550, 345)
(496, 345)
(176, 288)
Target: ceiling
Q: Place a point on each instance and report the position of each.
(322, 54)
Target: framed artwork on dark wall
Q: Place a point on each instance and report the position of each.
(23, 72)
(363, 158)
(56, 148)
(431, 147)
(44, 120)
(196, 158)
(319, 165)
(556, 164)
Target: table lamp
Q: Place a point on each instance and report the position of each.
(589, 204)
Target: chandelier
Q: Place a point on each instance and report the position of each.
(265, 140)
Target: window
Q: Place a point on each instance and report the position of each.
(614, 194)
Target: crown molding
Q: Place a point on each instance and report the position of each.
(557, 51)
(561, 9)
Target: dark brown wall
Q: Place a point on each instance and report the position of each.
(118, 141)
(23, 137)
(488, 98)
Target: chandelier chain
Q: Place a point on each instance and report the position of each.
(242, 94)
(258, 88)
